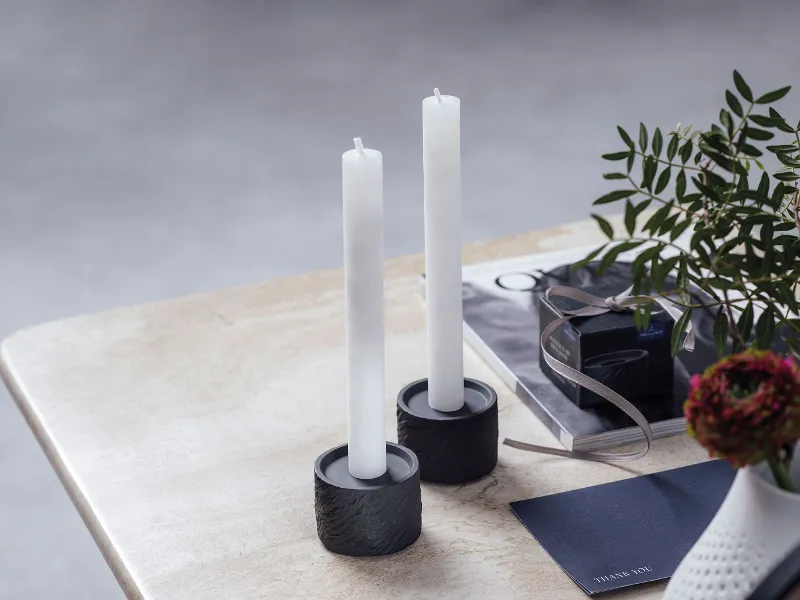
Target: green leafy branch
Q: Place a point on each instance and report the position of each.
(715, 221)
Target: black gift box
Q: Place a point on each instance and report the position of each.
(609, 348)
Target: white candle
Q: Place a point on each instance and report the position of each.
(441, 152)
(362, 187)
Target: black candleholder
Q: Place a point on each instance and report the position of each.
(367, 517)
(452, 447)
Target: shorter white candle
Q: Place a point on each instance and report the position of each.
(441, 157)
(362, 188)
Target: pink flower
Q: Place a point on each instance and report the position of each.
(746, 408)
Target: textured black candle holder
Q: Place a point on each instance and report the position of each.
(452, 447)
(367, 517)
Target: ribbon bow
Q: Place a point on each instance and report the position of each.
(595, 306)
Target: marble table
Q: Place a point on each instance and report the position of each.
(185, 432)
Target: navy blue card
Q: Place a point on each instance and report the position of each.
(628, 532)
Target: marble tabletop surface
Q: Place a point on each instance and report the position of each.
(185, 432)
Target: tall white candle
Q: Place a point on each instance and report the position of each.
(362, 187)
(441, 152)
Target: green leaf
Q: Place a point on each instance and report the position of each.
(692, 199)
(702, 253)
(605, 226)
(657, 218)
(630, 217)
(766, 233)
(677, 332)
(777, 195)
(668, 264)
(641, 207)
(734, 103)
(720, 283)
(763, 184)
(672, 147)
(750, 150)
(679, 229)
(698, 157)
(625, 137)
(715, 141)
(686, 151)
(745, 322)
(644, 257)
(614, 176)
(663, 180)
(786, 160)
(658, 142)
(784, 227)
(775, 114)
(680, 184)
(649, 168)
(588, 258)
(742, 87)
(714, 180)
(759, 219)
(765, 121)
(725, 119)
(613, 253)
(782, 148)
(702, 187)
(629, 164)
(646, 314)
(721, 331)
(759, 134)
(668, 224)
(683, 281)
(765, 328)
(642, 137)
(751, 195)
(616, 156)
(614, 196)
(774, 96)
(742, 185)
(786, 176)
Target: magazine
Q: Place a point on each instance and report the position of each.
(501, 323)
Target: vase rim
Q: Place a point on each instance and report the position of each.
(763, 477)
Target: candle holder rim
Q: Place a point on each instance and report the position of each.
(421, 385)
(336, 452)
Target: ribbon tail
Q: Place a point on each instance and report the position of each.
(601, 390)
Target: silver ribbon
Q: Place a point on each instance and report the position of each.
(596, 306)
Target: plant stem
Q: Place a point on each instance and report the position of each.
(652, 196)
(780, 472)
(734, 330)
(671, 164)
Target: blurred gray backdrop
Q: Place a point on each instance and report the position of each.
(153, 148)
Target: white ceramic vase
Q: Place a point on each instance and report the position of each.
(756, 526)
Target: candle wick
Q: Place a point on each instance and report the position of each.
(359, 144)
(437, 94)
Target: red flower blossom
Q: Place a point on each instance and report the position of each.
(746, 408)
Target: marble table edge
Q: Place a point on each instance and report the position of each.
(116, 563)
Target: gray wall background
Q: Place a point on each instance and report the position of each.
(161, 147)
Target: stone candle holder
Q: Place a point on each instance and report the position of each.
(452, 447)
(367, 517)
